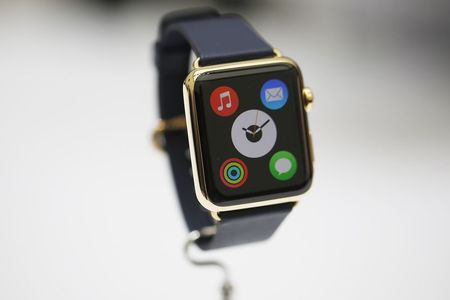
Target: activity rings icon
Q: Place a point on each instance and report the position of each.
(233, 173)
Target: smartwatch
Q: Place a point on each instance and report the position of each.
(234, 126)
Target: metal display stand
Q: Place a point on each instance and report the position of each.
(227, 287)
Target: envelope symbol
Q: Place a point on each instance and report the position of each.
(274, 94)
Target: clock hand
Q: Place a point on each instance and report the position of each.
(256, 120)
(260, 127)
(264, 124)
(247, 130)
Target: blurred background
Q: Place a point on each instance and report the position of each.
(88, 209)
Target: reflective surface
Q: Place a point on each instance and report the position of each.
(265, 116)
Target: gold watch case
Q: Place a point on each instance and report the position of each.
(192, 127)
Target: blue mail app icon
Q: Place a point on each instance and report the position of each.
(274, 94)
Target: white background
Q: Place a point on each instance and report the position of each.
(88, 209)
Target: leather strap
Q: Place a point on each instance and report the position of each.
(214, 39)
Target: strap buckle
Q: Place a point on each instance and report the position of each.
(177, 123)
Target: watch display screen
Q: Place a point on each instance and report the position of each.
(253, 134)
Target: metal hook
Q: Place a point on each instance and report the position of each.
(194, 236)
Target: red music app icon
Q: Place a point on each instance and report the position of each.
(224, 101)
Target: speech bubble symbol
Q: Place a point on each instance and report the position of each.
(283, 165)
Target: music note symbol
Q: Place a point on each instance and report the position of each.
(223, 95)
(224, 101)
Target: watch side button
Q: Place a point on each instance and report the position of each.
(308, 96)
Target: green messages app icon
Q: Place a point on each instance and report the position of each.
(283, 165)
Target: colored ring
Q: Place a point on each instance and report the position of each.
(227, 168)
(236, 174)
(237, 165)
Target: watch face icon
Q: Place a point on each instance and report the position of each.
(253, 133)
(274, 94)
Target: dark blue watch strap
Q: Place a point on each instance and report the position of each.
(214, 39)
